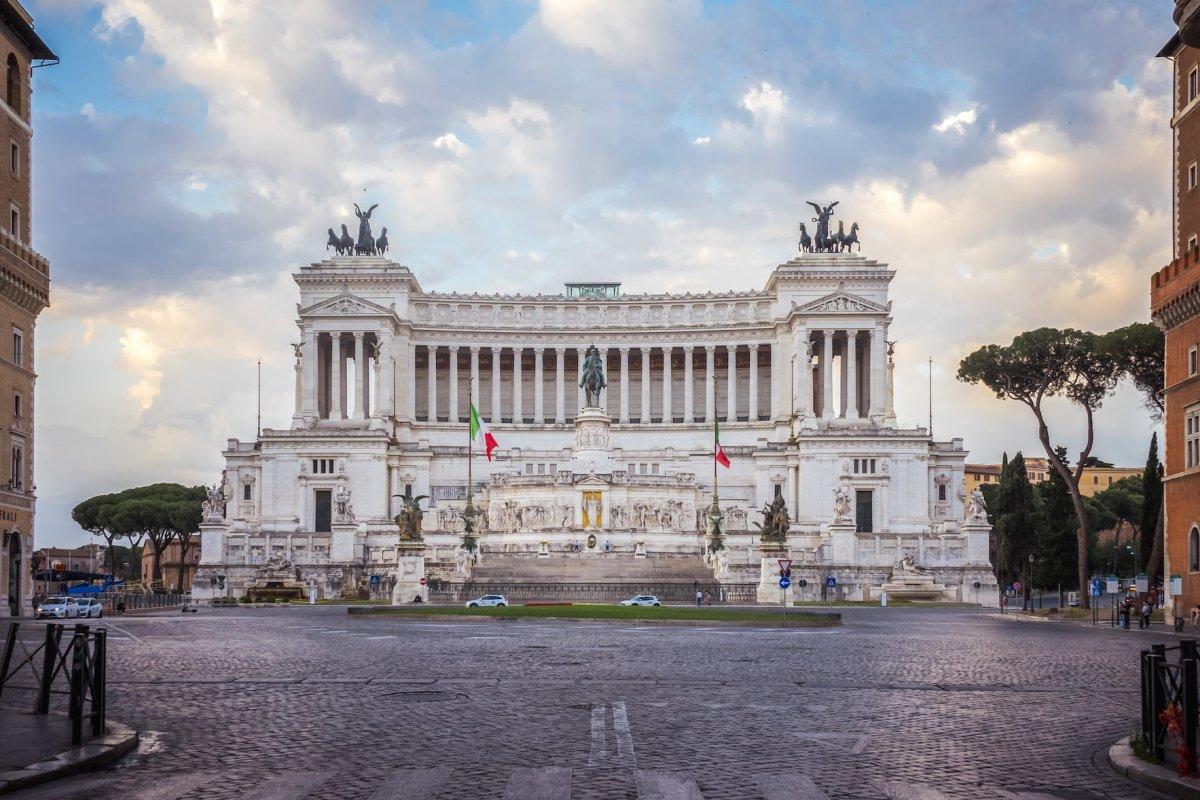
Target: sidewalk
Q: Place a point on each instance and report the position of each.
(1159, 628)
(35, 748)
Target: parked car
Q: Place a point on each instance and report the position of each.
(58, 608)
(90, 607)
(488, 600)
(642, 600)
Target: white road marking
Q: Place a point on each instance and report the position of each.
(624, 737)
(788, 786)
(107, 624)
(838, 741)
(413, 784)
(381, 637)
(545, 783)
(599, 750)
(910, 791)
(659, 785)
(289, 786)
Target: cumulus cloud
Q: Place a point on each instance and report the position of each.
(957, 121)
(624, 32)
(448, 141)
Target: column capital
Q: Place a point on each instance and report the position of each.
(753, 347)
(624, 350)
(711, 349)
(453, 348)
(732, 348)
(474, 348)
(538, 350)
(358, 335)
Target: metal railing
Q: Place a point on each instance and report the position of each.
(82, 663)
(1169, 703)
(135, 601)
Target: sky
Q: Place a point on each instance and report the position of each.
(1011, 160)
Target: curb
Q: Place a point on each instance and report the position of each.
(99, 752)
(1161, 778)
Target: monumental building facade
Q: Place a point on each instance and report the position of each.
(24, 292)
(797, 374)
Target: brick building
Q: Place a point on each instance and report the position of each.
(1175, 307)
(24, 292)
(169, 567)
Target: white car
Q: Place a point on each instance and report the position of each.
(90, 607)
(58, 608)
(642, 600)
(488, 600)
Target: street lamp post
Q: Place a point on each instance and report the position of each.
(1029, 583)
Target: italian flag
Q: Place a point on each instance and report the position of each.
(718, 451)
(482, 436)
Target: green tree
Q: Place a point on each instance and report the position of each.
(94, 515)
(1016, 517)
(159, 513)
(1123, 503)
(1151, 523)
(1045, 363)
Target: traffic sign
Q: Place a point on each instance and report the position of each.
(374, 579)
(1113, 585)
(1143, 583)
(784, 583)
(423, 581)
(1096, 592)
(802, 583)
(1016, 586)
(831, 582)
(784, 563)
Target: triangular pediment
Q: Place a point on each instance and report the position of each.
(841, 302)
(345, 305)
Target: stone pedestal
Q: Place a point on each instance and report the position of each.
(410, 570)
(841, 541)
(978, 536)
(768, 591)
(209, 582)
(593, 452)
(341, 546)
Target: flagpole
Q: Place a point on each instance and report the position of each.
(470, 443)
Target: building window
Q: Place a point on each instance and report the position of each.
(528, 468)
(942, 492)
(17, 480)
(322, 466)
(1193, 242)
(323, 511)
(14, 221)
(1194, 549)
(1193, 83)
(17, 409)
(245, 491)
(18, 351)
(1191, 438)
(1193, 360)
(14, 84)
(14, 161)
(864, 511)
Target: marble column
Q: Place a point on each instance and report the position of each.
(667, 399)
(538, 389)
(336, 375)
(310, 360)
(518, 380)
(877, 371)
(410, 379)
(496, 413)
(452, 385)
(579, 396)
(431, 412)
(731, 383)
(386, 385)
(560, 363)
(474, 378)
(842, 379)
(624, 384)
(827, 375)
(851, 369)
(365, 381)
(689, 386)
(752, 411)
(710, 383)
(802, 347)
(645, 385)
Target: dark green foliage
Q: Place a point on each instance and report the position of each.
(1014, 520)
(158, 512)
(1151, 523)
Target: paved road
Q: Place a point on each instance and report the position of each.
(909, 704)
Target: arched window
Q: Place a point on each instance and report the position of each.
(1194, 549)
(14, 84)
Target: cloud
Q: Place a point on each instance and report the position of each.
(448, 141)
(957, 122)
(624, 32)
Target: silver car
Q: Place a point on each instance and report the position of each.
(488, 600)
(58, 608)
(642, 600)
(90, 607)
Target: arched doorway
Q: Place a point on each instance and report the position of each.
(16, 563)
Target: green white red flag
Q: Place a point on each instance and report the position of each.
(480, 433)
(718, 451)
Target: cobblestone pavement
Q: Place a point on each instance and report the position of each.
(914, 704)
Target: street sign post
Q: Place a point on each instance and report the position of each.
(830, 585)
(784, 583)
(1143, 583)
(1097, 590)
(424, 581)
(1112, 584)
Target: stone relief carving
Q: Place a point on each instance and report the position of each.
(510, 516)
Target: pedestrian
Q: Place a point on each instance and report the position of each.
(707, 599)
(1144, 622)
(1196, 614)
(699, 597)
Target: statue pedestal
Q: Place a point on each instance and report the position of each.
(341, 547)
(206, 584)
(913, 586)
(592, 454)
(410, 571)
(841, 536)
(978, 536)
(768, 591)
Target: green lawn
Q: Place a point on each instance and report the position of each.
(632, 613)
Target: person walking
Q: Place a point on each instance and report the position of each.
(1144, 621)
(699, 597)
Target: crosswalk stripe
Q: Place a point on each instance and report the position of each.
(545, 783)
(413, 784)
(624, 737)
(788, 786)
(910, 791)
(599, 747)
(289, 786)
(660, 785)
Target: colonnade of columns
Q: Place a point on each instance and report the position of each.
(325, 391)
(517, 380)
(857, 391)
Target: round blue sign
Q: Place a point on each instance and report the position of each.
(784, 583)
(831, 582)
